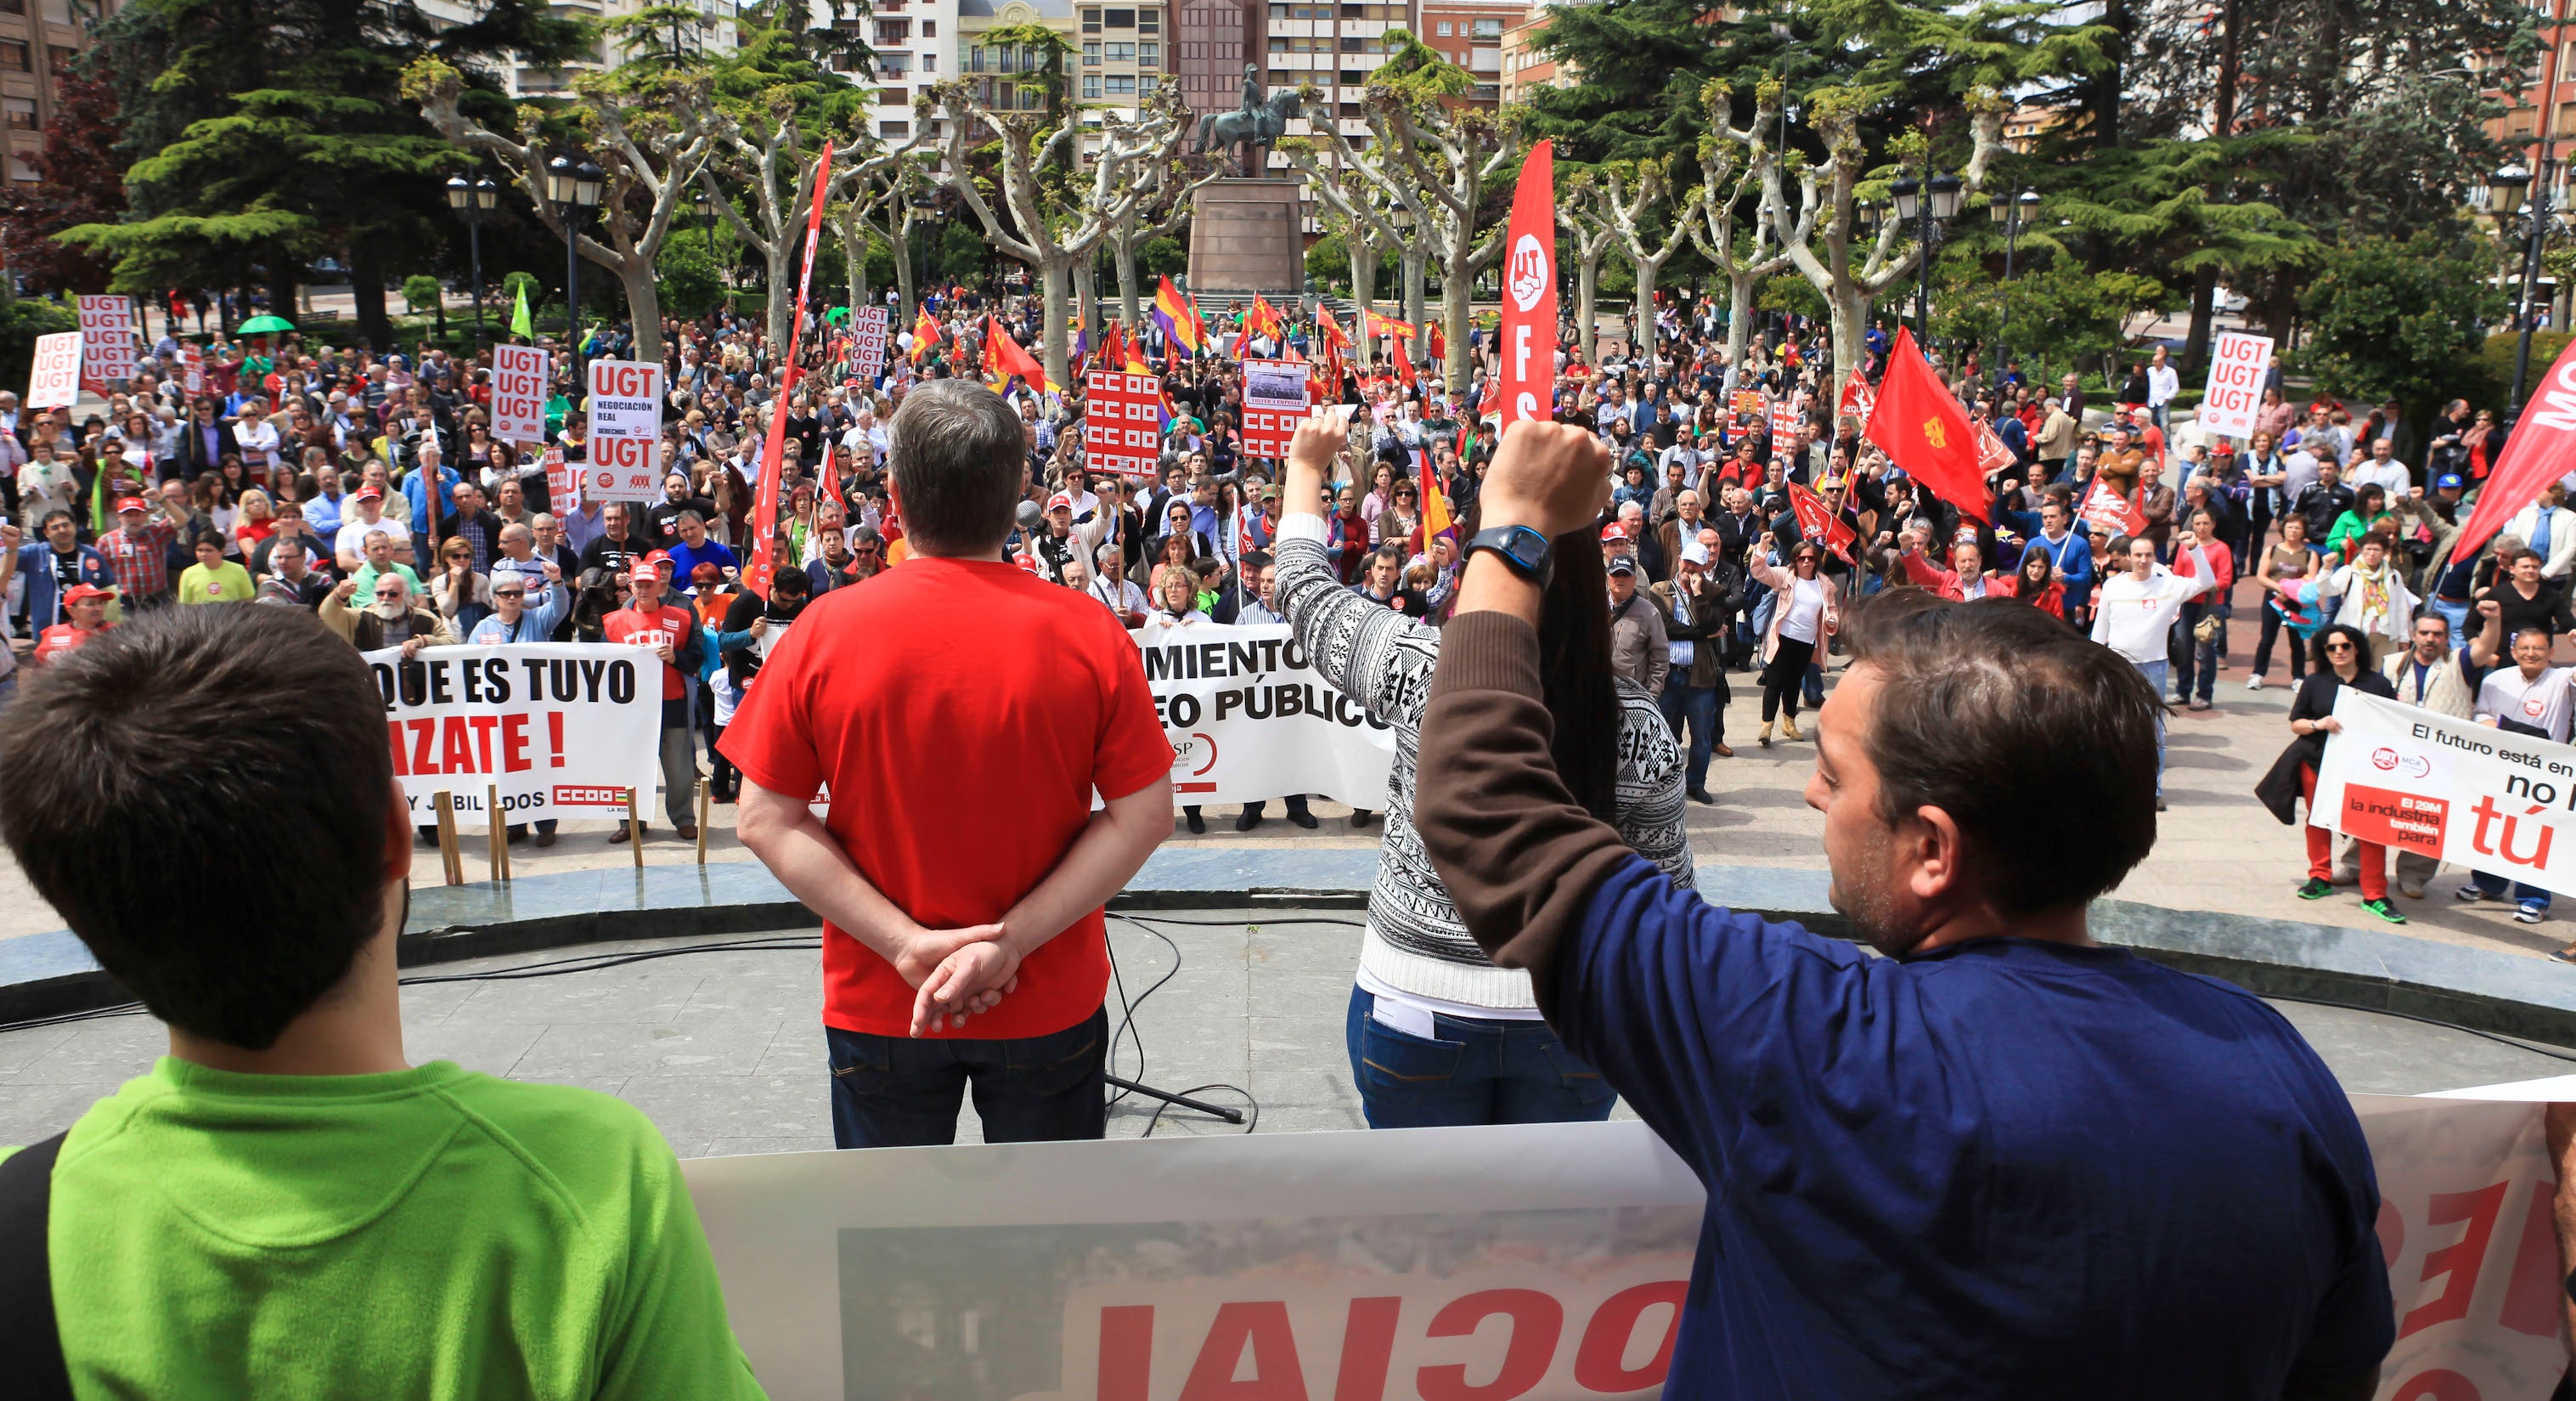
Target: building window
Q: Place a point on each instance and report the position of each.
(1121, 85)
(1350, 43)
(13, 56)
(1149, 53)
(1091, 86)
(1443, 29)
(1090, 53)
(13, 7)
(1121, 52)
(891, 97)
(930, 63)
(59, 58)
(1149, 21)
(21, 112)
(1354, 77)
(1146, 83)
(1119, 19)
(975, 59)
(1488, 92)
(1091, 21)
(1489, 29)
(1281, 77)
(894, 31)
(930, 29)
(894, 128)
(20, 171)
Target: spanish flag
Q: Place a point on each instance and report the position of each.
(925, 335)
(1434, 521)
(1180, 320)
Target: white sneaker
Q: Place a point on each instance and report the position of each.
(2253, 683)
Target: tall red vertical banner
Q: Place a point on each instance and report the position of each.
(1529, 294)
(773, 454)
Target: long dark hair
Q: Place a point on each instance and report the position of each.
(1574, 673)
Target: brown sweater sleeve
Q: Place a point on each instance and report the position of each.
(1519, 855)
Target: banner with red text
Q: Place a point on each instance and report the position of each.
(107, 340)
(562, 729)
(1433, 1262)
(868, 342)
(192, 368)
(625, 446)
(2470, 794)
(519, 380)
(1122, 422)
(2237, 365)
(55, 383)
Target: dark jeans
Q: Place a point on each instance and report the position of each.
(724, 781)
(1697, 704)
(2273, 626)
(1783, 675)
(1470, 1071)
(895, 1092)
(2195, 663)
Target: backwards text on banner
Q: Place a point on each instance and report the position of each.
(562, 730)
(1250, 719)
(2469, 794)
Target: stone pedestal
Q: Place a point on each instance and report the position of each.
(1247, 236)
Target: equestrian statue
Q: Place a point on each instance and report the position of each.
(1250, 128)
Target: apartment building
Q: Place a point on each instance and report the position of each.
(1524, 65)
(2539, 121)
(1212, 42)
(38, 39)
(1469, 33)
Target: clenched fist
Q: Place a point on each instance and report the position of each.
(1551, 477)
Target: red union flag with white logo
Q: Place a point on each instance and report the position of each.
(2541, 450)
(1858, 398)
(1529, 293)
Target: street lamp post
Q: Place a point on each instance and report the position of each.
(924, 201)
(573, 190)
(473, 202)
(2015, 213)
(1927, 215)
(2505, 198)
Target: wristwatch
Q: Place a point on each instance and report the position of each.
(1524, 549)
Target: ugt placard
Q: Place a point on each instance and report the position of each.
(519, 375)
(625, 432)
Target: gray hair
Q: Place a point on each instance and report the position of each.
(957, 456)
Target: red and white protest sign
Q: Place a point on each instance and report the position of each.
(563, 485)
(2465, 793)
(192, 368)
(1818, 522)
(625, 431)
(1992, 455)
(2237, 363)
(1783, 422)
(1529, 293)
(2107, 512)
(561, 729)
(868, 342)
(1274, 403)
(1122, 422)
(519, 376)
(56, 382)
(107, 340)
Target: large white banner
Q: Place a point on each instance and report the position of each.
(107, 339)
(519, 374)
(2237, 363)
(562, 729)
(56, 381)
(1432, 1262)
(1250, 720)
(625, 432)
(2469, 794)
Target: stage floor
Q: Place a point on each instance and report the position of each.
(724, 1048)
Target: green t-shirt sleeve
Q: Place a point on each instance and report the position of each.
(668, 1335)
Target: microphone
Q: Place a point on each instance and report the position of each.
(1031, 517)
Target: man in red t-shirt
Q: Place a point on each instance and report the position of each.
(650, 619)
(963, 714)
(87, 606)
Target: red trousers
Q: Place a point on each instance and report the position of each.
(2372, 857)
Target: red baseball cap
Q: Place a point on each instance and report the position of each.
(368, 493)
(1611, 534)
(131, 503)
(82, 593)
(1060, 501)
(648, 568)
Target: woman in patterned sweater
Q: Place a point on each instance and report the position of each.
(1437, 1033)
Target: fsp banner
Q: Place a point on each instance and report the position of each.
(2469, 794)
(562, 730)
(625, 432)
(1250, 719)
(1546, 1262)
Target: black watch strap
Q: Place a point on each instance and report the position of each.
(1524, 549)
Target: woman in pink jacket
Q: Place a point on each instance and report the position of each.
(1804, 615)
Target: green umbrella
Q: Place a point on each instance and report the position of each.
(265, 325)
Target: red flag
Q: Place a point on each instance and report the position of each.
(1003, 354)
(1439, 345)
(1858, 398)
(764, 515)
(2538, 453)
(1403, 363)
(1924, 431)
(2109, 512)
(1334, 336)
(1817, 522)
(1529, 293)
(831, 470)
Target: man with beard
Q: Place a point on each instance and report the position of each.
(2044, 1162)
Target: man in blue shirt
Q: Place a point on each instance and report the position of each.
(2001, 1160)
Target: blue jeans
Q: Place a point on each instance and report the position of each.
(2494, 886)
(2199, 669)
(895, 1092)
(1470, 1071)
(1697, 704)
(2156, 673)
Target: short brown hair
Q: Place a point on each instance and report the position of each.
(958, 454)
(139, 822)
(2039, 744)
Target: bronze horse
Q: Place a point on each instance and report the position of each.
(1252, 128)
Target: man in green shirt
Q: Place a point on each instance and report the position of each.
(213, 578)
(284, 1205)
